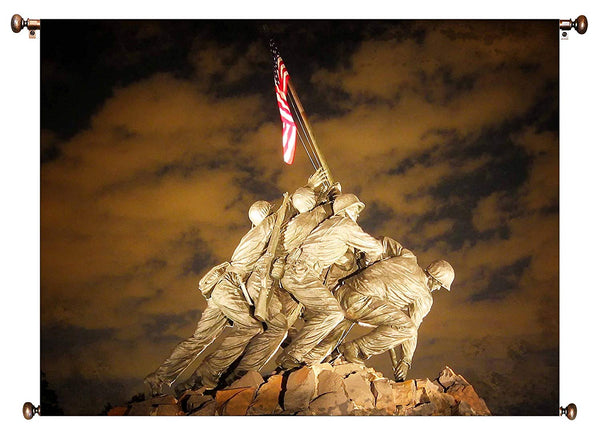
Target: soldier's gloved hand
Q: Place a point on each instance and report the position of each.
(401, 370)
(317, 179)
(278, 268)
(361, 260)
(334, 191)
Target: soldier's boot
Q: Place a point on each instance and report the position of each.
(206, 376)
(192, 383)
(401, 370)
(333, 357)
(351, 353)
(286, 363)
(154, 383)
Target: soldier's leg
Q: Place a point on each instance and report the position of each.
(283, 312)
(323, 312)
(260, 349)
(211, 324)
(392, 327)
(232, 303)
(328, 344)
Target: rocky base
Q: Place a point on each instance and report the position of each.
(342, 389)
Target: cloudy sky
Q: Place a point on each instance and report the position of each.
(157, 136)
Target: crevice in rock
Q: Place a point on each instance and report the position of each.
(284, 380)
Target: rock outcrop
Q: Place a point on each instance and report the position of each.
(341, 389)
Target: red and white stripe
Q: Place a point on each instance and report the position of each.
(289, 126)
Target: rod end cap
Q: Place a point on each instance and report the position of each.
(17, 23)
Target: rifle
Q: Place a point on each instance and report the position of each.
(267, 287)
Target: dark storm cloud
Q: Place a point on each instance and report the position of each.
(502, 281)
(453, 85)
(158, 328)
(507, 167)
(49, 146)
(135, 304)
(189, 166)
(337, 41)
(197, 254)
(504, 167)
(67, 340)
(114, 280)
(544, 114)
(87, 401)
(77, 80)
(258, 182)
(197, 263)
(376, 214)
(529, 374)
(425, 158)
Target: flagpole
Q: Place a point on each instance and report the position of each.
(304, 121)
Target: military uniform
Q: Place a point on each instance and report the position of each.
(227, 304)
(393, 296)
(325, 245)
(283, 309)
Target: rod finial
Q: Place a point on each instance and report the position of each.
(570, 411)
(29, 410)
(581, 24)
(17, 23)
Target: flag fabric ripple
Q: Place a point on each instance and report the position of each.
(289, 126)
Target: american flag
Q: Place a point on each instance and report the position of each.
(289, 127)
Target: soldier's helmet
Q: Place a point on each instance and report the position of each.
(259, 211)
(345, 201)
(441, 271)
(304, 199)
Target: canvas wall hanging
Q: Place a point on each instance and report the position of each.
(332, 217)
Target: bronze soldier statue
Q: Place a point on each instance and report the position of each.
(302, 278)
(284, 310)
(226, 304)
(229, 303)
(392, 295)
(315, 248)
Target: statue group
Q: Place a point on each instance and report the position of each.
(310, 259)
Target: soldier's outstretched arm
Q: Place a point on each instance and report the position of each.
(362, 241)
(391, 247)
